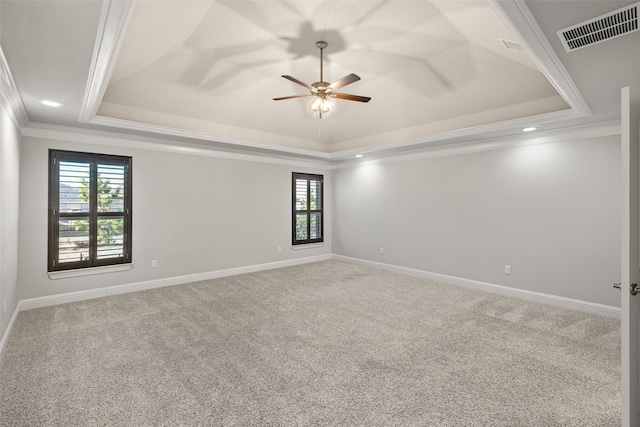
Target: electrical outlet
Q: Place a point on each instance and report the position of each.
(4, 308)
(154, 263)
(507, 269)
(381, 251)
(279, 248)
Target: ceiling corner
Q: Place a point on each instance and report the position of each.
(519, 18)
(10, 96)
(114, 22)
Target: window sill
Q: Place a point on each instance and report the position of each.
(307, 246)
(54, 275)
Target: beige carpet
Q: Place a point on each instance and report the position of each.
(321, 344)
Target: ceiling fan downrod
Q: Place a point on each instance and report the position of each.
(321, 44)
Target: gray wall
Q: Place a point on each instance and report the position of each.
(9, 196)
(192, 213)
(551, 212)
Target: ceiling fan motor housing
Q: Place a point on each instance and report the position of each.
(321, 87)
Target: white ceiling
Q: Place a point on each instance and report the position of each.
(207, 71)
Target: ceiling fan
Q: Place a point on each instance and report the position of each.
(323, 91)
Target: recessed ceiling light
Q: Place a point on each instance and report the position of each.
(529, 129)
(358, 155)
(51, 103)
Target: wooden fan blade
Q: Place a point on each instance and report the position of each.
(351, 97)
(346, 80)
(291, 97)
(293, 79)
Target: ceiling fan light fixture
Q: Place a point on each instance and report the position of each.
(321, 104)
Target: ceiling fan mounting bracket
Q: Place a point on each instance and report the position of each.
(322, 44)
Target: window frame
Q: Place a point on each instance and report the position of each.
(54, 215)
(308, 211)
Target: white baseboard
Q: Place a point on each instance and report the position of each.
(574, 304)
(49, 300)
(7, 332)
(570, 303)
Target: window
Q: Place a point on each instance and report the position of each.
(89, 210)
(308, 208)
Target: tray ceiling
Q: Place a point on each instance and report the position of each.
(211, 68)
(196, 73)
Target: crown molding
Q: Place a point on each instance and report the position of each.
(518, 17)
(471, 134)
(10, 96)
(571, 133)
(115, 18)
(107, 138)
(111, 139)
(204, 136)
(426, 142)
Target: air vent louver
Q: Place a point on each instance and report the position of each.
(604, 27)
(509, 45)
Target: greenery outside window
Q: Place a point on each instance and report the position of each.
(308, 208)
(89, 210)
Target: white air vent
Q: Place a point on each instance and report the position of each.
(604, 27)
(509, 45)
